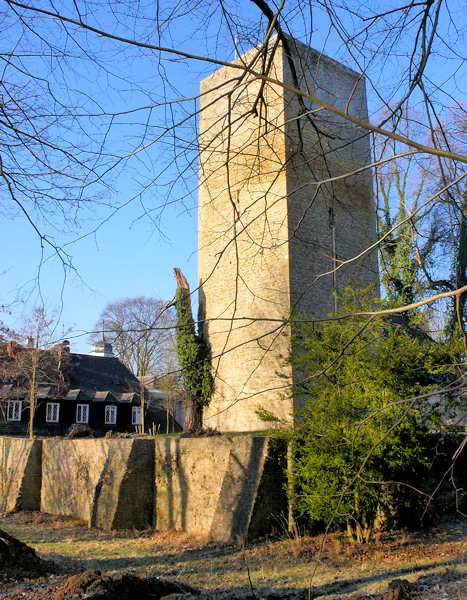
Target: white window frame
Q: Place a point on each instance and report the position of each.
(52, 412)
(136, 415)
(110, 414)
(82, 413)
(14, 410)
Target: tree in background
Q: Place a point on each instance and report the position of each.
(174, 391)
(193, 357)
(72, 120)
(82, 102)
(32, 360)
(141, 331)
(423, 248)
(360, 441)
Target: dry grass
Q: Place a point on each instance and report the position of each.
(340, 567)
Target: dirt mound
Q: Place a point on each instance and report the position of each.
(18, 561)
(94, 586)
(398, 589)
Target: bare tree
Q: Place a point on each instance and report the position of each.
(141, 332)
(422, 250)
(32, 360)
(65, 141)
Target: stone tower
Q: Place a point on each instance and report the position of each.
(269, 234)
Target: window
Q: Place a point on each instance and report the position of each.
(14, 410)
(52, 411)
(82, 413)
(110, 415)
(136, 416)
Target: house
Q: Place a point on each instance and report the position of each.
(95, 390)
(163, 394)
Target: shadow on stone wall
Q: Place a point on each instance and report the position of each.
(136, 493)
(20, 474)
(208, 487)
(239, 489)
(175, 495)
(270, 509)
(106, 483)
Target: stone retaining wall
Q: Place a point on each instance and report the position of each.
(209, 486)
(106, 483)
(217, 487)
(20, 474)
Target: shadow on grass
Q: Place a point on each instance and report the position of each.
(351, 585)
(175, 570)
(217, 560)
(73, 565)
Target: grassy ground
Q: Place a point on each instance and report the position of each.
(338, 568)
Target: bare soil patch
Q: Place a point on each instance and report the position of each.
(92, 585)
(18, 561)
(426, 565)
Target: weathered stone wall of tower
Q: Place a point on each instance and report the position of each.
(331, 222)
(243, 233)
(264, 224)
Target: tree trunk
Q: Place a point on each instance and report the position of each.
(32, 410)
(141, 391)
(32, 394)
(291, 525)
(461, 267)
(193, 416)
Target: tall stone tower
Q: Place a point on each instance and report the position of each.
(278, 212)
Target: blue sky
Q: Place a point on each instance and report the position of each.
(130, 255)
